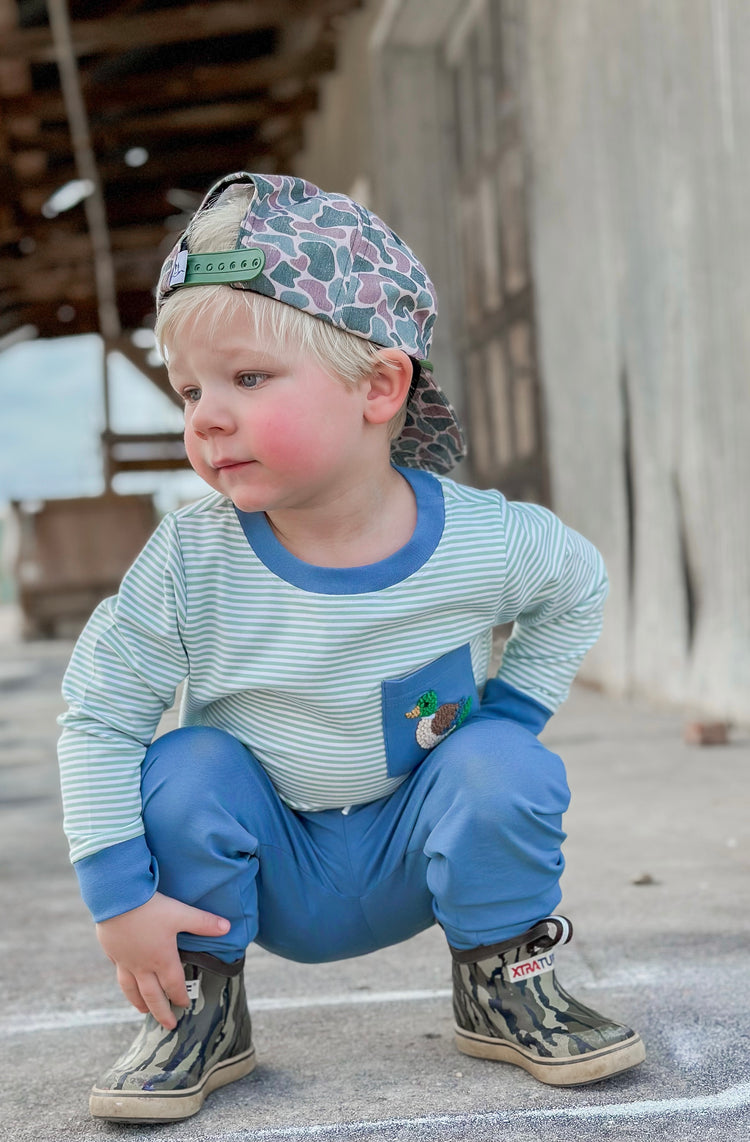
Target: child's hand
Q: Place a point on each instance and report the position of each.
(142, 944)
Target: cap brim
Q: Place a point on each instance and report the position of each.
(431, 437)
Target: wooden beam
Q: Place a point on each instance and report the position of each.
(138, 129)
(151, 462)
(212, 116)
(182, 85)
(65, 284)
(15, 74)
(117, 34)
(75, 279)
(130, 202)
(135, 307)
(67, 246)
(163, 167)
(144, 451)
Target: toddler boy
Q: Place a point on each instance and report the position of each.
(345, 774)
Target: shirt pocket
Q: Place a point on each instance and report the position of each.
(420, 709)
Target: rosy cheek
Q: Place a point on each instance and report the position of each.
(285, 440)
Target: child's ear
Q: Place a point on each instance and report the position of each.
(388, 385)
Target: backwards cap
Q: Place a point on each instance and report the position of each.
(330, 257)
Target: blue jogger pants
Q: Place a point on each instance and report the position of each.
(471, 839)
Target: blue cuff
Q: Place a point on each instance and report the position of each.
(117, 879)
(503, 701)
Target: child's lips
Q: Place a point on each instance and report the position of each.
(228, 465)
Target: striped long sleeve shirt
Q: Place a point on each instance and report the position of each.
(318, 671)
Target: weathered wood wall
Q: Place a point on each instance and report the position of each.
(636, 124)
(638, 135)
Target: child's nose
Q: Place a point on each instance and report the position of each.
(211, 414)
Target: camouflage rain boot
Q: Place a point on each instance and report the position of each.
(510, 1007)
(166, 1075)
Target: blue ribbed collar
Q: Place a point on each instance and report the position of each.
(355, 580)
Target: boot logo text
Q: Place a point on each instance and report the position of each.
(528, 968)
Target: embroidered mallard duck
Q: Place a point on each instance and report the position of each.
(436, 721)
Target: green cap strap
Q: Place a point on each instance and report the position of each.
(227, 266)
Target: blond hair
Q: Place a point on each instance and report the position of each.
(349, 358)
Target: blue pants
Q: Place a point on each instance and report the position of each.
(471, 839)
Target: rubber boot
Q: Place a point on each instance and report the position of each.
(166, 1075)
(509, 1007)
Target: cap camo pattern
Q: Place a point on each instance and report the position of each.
(330, 257)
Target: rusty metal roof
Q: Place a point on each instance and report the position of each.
(174, 94)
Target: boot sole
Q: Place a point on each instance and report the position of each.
(168, 1106)
(577, 1070)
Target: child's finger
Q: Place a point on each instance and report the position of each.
(130, 990)
(201, 923)
(173, 985)
(158, 1003)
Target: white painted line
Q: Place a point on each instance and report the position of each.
(733, 1098)
(98, 1016)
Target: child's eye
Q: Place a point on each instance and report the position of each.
(252, 380)
(190, 396)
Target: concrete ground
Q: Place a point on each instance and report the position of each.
(656, 884)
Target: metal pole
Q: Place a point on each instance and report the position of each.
(86, 167)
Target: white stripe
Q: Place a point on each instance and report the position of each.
(731, 1098)
(71, 1020)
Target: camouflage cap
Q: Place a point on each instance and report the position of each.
(330, 257)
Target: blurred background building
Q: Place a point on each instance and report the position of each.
(572, 172)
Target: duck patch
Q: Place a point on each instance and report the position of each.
(422, 708)
(435, 720)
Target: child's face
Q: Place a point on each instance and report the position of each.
(267, 427)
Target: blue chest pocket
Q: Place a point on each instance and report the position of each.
(420, 709)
